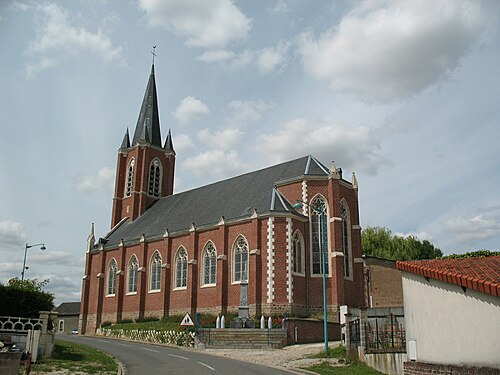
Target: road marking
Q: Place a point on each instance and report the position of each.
(128, 346)
(207, 366)
(106, 341)
(150, 350)
(178, 356)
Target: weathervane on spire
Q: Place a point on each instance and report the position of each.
(154, 54)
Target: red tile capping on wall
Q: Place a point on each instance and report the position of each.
(480, 274)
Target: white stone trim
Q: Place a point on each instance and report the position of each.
(337, 254)
(270, 260)
(255, 252)
(358, 260)
(356, 227)
(304, 197)
(335, 218)
(222, 257)
(289, 265)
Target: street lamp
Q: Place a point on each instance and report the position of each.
(299, 204)
(42, 247)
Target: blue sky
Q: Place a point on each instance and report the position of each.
(404, 93)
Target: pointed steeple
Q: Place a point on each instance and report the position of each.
(148, 123)
(169, 146)
(91, 239)
(126, 141)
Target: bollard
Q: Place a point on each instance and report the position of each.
(269, 322)
(262, 322)
(217, 322)
(222, 322)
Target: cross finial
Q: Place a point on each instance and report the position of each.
(154, 54)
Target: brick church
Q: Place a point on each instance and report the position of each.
(189, 252)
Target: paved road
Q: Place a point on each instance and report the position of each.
(145, 359)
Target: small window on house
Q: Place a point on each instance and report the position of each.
(111, 284)
(319, 234)
(209, 264)
(154, 178)
(155, 272)
(181, 268)
(298, 252)
(133, 269)
(240, 260)
(130, 178)
(346, 237)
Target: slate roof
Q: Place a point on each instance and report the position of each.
(68, 308)
(480, 274)
(234, 198)
(148, 123)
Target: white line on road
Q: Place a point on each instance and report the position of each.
(128, 346)
(150, 350)
(106, 341)
(207, 366)
(178, 356)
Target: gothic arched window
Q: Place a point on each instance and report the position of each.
(346, 237)
(319, 233)
(181, 261)
(155, 272)
(154, 178)
(240, 260)
(130, 178)
(132, 273)
(298, 252)
(209, 264)
(111, 282)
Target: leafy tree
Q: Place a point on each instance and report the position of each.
(25, 298)
(380, 242)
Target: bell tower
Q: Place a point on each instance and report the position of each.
(145, 168)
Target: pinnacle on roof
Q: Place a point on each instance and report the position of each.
(169, 146)
(148, 123)
(126, 141)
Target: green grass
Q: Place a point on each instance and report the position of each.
(76, 358)
(336, 352)
(346, 365)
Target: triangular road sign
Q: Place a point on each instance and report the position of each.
(187, 321)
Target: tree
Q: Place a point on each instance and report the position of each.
(25, 298)
(380, 242)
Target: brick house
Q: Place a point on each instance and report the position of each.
(189, 252)
(452, 315)
(383, 283)
(68, 317)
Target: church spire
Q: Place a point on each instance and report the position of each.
(126, 141)
(148, 123)
(169, 146)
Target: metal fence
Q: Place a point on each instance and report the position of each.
(354, 334)
(385, 334)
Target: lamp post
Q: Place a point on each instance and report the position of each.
(42, 247)
(299, 204)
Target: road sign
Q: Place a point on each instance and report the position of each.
(187, 321)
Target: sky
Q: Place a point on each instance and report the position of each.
(404, 93)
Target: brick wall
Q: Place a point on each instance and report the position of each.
(419, 368)
(301, 331)
(383, 281)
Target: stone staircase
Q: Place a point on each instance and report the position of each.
(244, 338)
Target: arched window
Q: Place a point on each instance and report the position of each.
(181, 263)
(111, 282)
(130, 178)
(240, 260)
(298, 252)
(154, 178)
(319, 233)
(346, 237)
(133, 268)
(209, 264)
(155, 272)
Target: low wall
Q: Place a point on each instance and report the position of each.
(420, 368)
(9, 363)
(388, 363)
(302, 331)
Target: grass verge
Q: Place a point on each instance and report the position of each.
(76, 358)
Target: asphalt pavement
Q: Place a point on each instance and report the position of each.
(144, 359)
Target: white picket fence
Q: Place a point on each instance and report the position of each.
(151, 335)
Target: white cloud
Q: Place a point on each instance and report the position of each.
(215, 163)
(209, 24)
(190, 109)
(53, 257)
(183, 143)
(279, 7)
(12, 235)
(270, 58)
(423, 235)
(472, 225)
(244, 112)
(356, 147)
(57, 40)
(104, 180)
(388, 50)
(216, 56)
(224, 139)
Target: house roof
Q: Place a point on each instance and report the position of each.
(68, 308)
(480, 274)
(233, 199)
